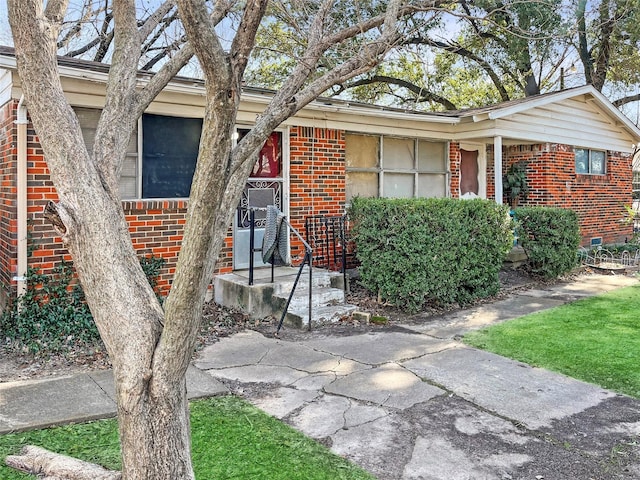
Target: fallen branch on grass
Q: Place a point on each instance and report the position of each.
(53, 466)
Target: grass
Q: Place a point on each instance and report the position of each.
(230, 440)
(595, 339)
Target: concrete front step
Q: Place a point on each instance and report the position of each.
(319, 296)
(264, 298)
(299, 318)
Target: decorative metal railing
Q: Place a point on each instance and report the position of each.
(308, 256)
(328, 237)
(606, 259)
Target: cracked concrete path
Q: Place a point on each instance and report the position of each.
(417, 404)
(412, 403)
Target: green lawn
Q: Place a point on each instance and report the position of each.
(596, 340)
(231, 440)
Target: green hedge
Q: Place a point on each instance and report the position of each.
(550, 237)
(442, 251)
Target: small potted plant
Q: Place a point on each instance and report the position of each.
(516, 186)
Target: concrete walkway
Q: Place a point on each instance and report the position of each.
(409, 403)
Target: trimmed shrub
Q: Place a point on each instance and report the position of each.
(442, 251)
(550, 237)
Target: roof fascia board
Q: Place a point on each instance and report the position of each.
(490, 132)
(597, 96)
(538, 101)
(196, 89)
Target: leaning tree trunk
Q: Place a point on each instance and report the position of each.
(151, 395)
(140, 339)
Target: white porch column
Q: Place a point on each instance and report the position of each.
(497, 164)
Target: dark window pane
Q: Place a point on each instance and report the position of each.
(582, 160)
(170, 151)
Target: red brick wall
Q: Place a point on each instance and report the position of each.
(317, 177)
(46, 247)
(454, 169)
(597, 199)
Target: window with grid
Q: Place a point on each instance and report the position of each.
(395, 167)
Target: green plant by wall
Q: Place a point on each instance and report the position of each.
(441, 251)
(515, 183)
(550, 237)
(152, 266)
(52, 316)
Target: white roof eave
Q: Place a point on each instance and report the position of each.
(602, 101)
(260, 98)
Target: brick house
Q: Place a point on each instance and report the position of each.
(577, 146)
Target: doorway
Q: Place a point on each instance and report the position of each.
(473, 171)
(265, 186)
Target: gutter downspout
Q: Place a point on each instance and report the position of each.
(22, 123)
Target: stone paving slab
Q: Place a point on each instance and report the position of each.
(311, 360)
(243, 348)
(260, 374)
(380, 347)
(435, 458)
(452, 324)
(79, 398)
(531, 396)
(285, 400)
(25, 405)
(329, 414)
(388, 385)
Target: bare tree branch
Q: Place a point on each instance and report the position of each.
(105, 37)
(85, 48)
(422, 95)
(626, 100)
(245, 37)
(150, 24)
(463, 52)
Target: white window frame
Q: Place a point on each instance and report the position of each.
(415, 170)
(590, 161)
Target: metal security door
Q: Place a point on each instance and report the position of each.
(264, 187)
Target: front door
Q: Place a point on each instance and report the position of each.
(472, 172)
(264, 187)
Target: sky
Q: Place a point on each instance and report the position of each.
(632, 111)
(5, 31)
